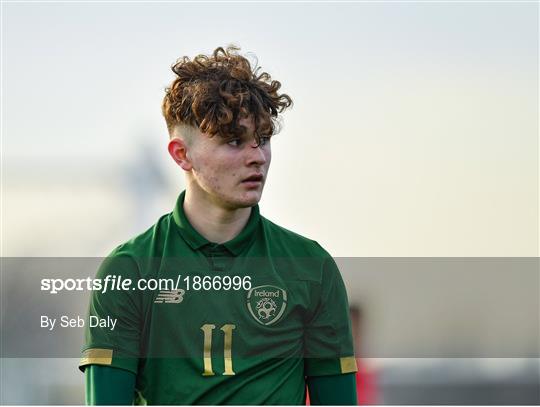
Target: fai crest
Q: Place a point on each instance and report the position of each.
(267, 303)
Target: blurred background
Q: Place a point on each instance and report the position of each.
(414, 134)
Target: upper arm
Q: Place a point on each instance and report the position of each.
(118, 347)
(328, 338)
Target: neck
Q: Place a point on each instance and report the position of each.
(216, 223)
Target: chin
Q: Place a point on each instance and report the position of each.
(250, 198)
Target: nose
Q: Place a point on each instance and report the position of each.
(256, 155)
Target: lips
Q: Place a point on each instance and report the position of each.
(254, 178)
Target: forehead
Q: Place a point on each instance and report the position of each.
(191, 134)
(247, 124)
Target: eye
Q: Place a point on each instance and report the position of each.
(264, 140)
(236, 142)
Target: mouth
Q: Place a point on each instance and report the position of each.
(253, 180)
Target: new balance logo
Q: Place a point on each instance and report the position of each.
(170, 297)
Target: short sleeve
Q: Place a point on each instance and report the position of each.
(112, 328)
(328, 342)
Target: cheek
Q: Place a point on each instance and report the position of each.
(215, 172)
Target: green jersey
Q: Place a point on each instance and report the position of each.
(243, 322)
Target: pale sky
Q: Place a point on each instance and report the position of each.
(414, 130)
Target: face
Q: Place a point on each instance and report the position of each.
(231, 174)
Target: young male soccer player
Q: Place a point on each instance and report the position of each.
(257, 311)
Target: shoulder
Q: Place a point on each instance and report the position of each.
(133, 255)
(147, 243)
(310, 260)
(289, 242)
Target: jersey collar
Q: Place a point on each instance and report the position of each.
(197, 241)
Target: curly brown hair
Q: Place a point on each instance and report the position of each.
(213, 92)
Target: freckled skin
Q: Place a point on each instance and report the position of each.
(219, 169)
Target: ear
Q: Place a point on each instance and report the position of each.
(179, 153)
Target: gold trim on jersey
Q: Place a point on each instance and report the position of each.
(96, 356)
(348, 364)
